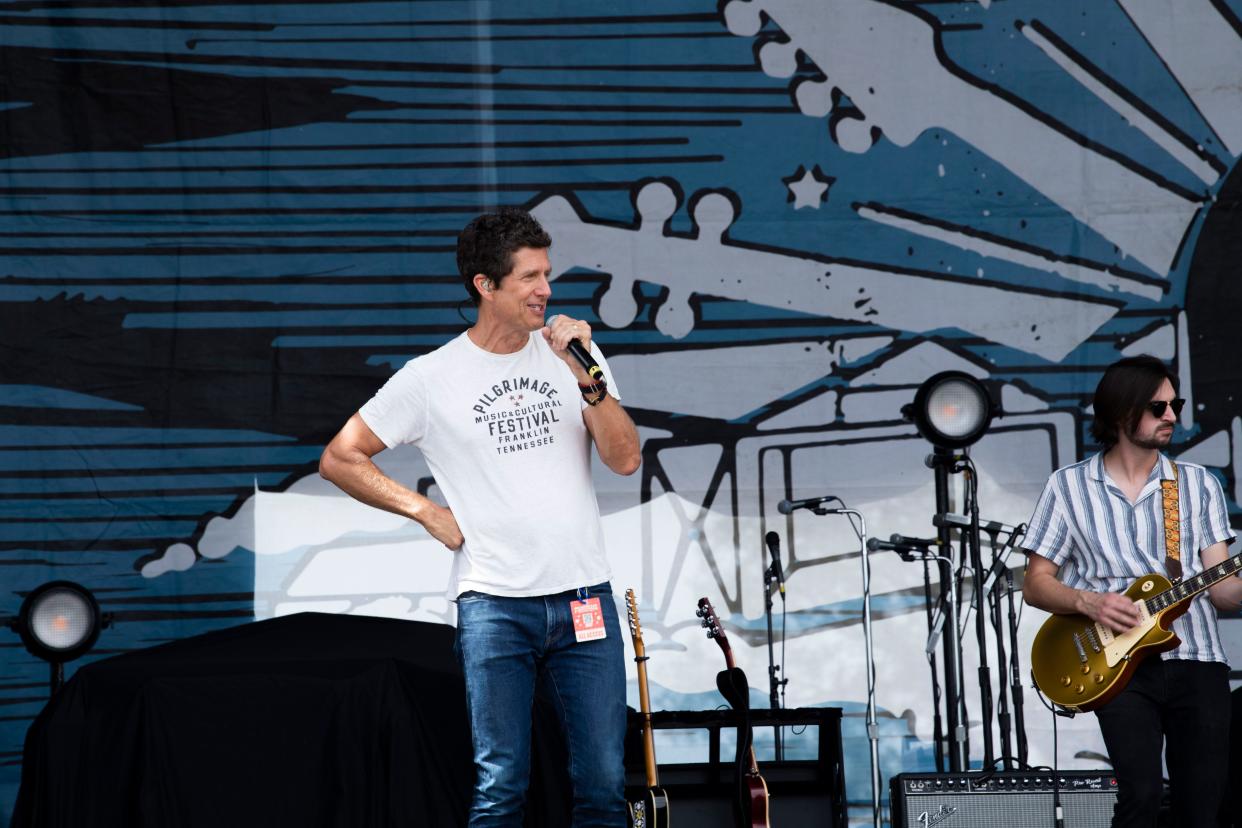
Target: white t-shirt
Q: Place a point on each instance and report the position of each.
(504, 437)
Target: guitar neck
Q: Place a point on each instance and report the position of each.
(715, 631)
(754, 764)
(644, 704)
(1193, 586)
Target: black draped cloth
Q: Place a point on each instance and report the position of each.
(307, 720)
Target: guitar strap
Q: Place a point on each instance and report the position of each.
(1172, 527)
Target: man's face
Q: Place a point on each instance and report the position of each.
(1154, 432)
(521, 298)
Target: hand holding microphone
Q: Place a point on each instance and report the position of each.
(574, 336)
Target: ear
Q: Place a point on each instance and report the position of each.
(483, 284)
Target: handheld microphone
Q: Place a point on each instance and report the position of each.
(583, 356)
(786, 507)
(773, 541)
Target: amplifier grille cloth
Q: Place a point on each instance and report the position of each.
(999, 809)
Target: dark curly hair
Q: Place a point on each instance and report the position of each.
(1123, 394)
(488, 243)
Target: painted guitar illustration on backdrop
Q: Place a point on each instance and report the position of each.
(1080, 665)
(652, 811)
(756, 786)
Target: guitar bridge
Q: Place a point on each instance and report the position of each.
(1082, 654)
(1093, 640)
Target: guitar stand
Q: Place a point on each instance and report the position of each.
(735, 688)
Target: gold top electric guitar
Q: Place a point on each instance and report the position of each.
(652, 811)
(1080, 665)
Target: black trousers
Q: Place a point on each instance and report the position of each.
(1184, 705)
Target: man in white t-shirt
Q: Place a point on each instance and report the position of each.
(505, 417)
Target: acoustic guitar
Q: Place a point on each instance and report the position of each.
(756, 786)
(652, 811)
(1080, 665)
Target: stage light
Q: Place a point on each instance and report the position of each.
(58, 622)
(951, 410)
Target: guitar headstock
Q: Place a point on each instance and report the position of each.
(636, 627)
(715, 630)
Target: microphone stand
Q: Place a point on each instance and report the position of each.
(981, 627)
(1015, 672)
(774, 684)
(993, 599)
(937, 721)
(873, 727)
(998, 580)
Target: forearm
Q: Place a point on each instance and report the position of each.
(356, 474)
(1042, 589)
(1047, 593)
(614, 434)
(1227, 594)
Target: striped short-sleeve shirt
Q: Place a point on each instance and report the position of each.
(1085, 525)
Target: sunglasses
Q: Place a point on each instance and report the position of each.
(1157, 407)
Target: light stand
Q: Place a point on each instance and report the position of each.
(943, 460)
(952, 410)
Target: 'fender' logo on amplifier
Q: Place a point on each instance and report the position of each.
(927, 820)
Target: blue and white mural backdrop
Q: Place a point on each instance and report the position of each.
(225, 225)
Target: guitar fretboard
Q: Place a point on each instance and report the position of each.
(1192, 586)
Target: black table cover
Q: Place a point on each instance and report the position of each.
(306, 720)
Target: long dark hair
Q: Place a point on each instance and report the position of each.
(1123, 394)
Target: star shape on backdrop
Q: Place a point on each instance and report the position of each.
(808, 188)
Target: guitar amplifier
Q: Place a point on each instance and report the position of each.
(1014, 798)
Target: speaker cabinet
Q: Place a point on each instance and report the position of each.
(1004, 798)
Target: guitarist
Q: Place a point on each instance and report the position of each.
(1098, 526)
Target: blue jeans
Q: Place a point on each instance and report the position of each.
(507, 647)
